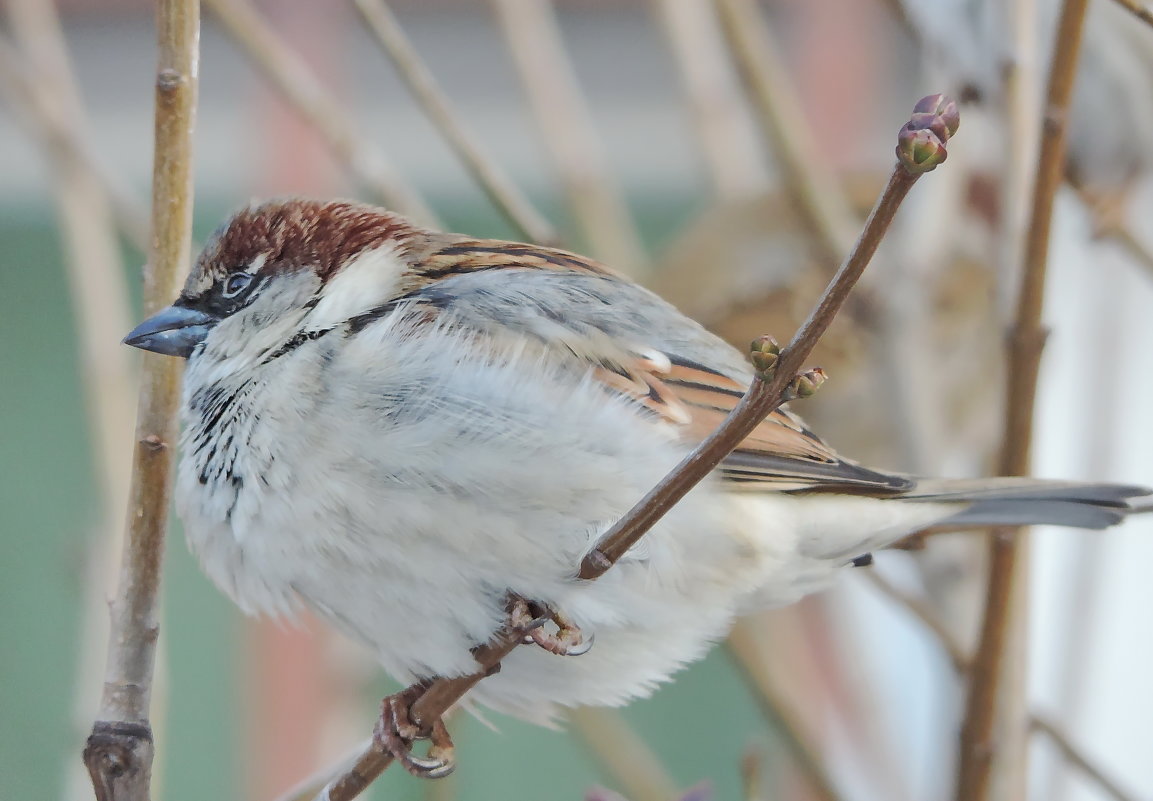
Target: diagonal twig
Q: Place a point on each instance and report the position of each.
(1076, 757)
(767, 392)
(1026, 341)
(500, 189)
(1140, 10)
(291, 76)
(119, 751)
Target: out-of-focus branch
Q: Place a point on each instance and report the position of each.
(1026, 341)
(622, 754)
(718, 111)
(1127, 238)
(924, 613)
(928, 617)
(492, 179)
(1140, 10)
(1019, 105)
(921, 147)
(120, 749)
(1076, 757)
(597, 203)
(100, 299)
(778, 711)
(291, 76)
(1118, 230)
(52, 128)
(820, 197)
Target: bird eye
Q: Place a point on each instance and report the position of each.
(235, 284)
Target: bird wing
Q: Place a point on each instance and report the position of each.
(637, 346)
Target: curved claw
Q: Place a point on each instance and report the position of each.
(567, 640)
(395, 732)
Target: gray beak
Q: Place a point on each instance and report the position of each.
(174, 331)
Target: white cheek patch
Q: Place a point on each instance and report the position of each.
(364, 283)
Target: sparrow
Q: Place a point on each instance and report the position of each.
(401, 429)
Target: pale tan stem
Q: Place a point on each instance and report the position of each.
(119, 750)
(288, 72)
(778, 710)
(597, 202)
(925, 613)
(622, 754)
(501, 190)
(1022, 117)
(42, 115)
(820, 197)
(1025, 345)
(100, 300)
(734, 162)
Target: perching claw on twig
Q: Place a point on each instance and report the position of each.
(532, 617)
(396, 731)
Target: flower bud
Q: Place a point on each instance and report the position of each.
(941, 106)
(920, 151)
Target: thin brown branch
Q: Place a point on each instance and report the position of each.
(1140, 10)
(765, 395)
(298, 84)
(1075, 756)
(501, 190)
(622, 754)
(1026, 341)
(917, 155)
(713, 97)
(597, 203)
(819, 195)
(778, 710)
(119, 750)
(63, 140)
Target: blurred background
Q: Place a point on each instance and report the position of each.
(724, 153)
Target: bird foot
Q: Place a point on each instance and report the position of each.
(533, 618)
(396, 731)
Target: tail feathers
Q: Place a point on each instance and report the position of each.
(1029, 501)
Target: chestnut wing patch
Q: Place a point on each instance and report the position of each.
(781, 454)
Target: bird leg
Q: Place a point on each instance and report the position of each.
(396, 731)
(533, 617)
